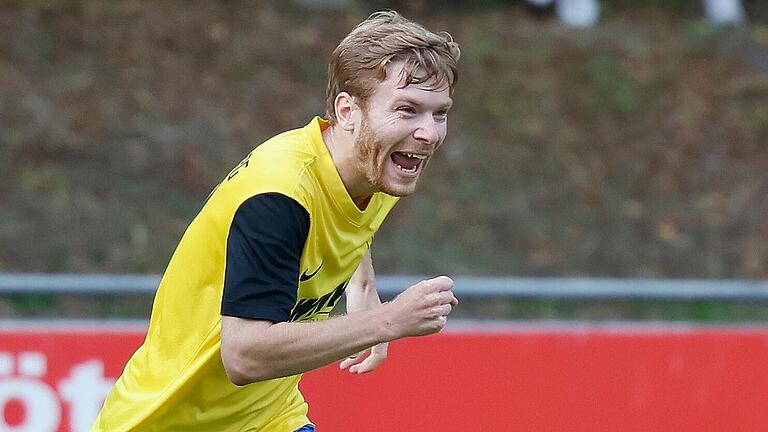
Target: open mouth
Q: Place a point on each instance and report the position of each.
(407, 162)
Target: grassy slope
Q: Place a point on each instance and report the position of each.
(635, 149)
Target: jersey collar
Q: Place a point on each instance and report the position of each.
(332, 180)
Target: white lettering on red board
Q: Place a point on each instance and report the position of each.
(22, 385)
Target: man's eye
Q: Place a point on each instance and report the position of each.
(441, 115)
(406, 109)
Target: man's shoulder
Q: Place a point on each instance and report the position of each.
(303, 142)
(279, 165)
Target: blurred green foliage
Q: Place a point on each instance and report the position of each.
(635, 149)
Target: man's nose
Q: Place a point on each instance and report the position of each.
(427, 131)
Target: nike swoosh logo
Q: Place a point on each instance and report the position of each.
(305, 277)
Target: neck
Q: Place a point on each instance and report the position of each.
(341, 147)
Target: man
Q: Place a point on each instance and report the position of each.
(241, 310)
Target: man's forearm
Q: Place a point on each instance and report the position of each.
(261, 350)
(361, 291)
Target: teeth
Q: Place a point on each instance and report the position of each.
(419, 157)
(406, 170)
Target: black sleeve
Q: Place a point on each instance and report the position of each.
(264, 248)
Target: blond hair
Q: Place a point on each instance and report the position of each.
(359, 63)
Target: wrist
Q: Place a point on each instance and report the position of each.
(386, 325)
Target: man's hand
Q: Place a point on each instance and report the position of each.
(366, 361)
(420, 310)
(362, 295)
(423, 308)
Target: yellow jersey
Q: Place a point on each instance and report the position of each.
(176, 381)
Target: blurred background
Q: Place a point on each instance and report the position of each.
(601, 200)
(623, 139)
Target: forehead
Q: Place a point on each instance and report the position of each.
(392, 89)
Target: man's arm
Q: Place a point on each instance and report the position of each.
(258, 342)
(257, 350)
(362, 295)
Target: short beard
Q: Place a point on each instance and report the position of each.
(368, 149)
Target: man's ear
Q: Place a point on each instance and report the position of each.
(347, 111)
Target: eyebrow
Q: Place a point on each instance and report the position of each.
(442, 107)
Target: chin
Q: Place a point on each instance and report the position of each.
(399, 190)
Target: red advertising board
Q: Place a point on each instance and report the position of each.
(517, 378)
(54, 379)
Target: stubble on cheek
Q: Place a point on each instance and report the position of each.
(369, 157)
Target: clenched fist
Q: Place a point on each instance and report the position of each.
(423, 308)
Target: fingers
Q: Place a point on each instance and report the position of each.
(353, 359)
(423, 307)
(442, 320)
(440, 283)
(378, 354)
(443, 310)
(443, 285)
(349, 361)
(371, 363)
(446, 297)
(364, 364)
